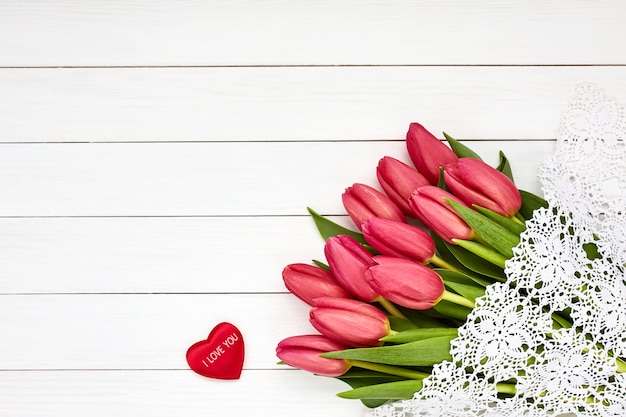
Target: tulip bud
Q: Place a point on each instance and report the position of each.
(427, 152)
(398, 181)
(349, 322)
(304, 351)
(476, 183)
(308, 282)
(406, 283)
(362, 202)
(398, 239)
(430, 206)
(348, 261)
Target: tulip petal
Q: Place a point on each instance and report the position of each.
(398, 181)
(475, 182)
(348, 262)
(304, 351)
(398, 239)
(427, 152)
(404, 282)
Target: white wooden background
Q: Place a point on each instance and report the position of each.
(157, 158)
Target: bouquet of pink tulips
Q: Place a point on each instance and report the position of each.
(391, 295)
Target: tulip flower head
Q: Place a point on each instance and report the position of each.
(304, 351)
(352, 323)
(348, 261)
(398, 239)
(398, 181)
(308, 282)
(427, 152)
(406, 283)
(362, 202)
(476, 183)
(430, 206)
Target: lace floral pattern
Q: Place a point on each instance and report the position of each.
(570, 260)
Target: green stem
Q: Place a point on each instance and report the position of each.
(442, 263)
(519, 218)
(621, 365)
(457, 299)
(389, 369)
(483, 251)
(392, 309)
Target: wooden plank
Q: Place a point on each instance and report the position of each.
(290, 104)
(207, 179)
(140, 331)
(147, 254)
(171, 393)
(244, 32)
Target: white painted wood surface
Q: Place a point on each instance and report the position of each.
(157, 159)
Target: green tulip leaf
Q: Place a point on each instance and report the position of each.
(509, 224)
(321, 264)
(447, 255)
(504, 166)
(397, 390)
(328, 228)
(483, 251)
(374, 377)
(476, 263)
(420, 353)
(419, 334)
(459, 277)
(372, 403)
(419, 318)
(530, 203)
(452, 310)
(441, 183)
(470, 292)
(487, 230)
(400, 324)
(459, 149)
(357, 378)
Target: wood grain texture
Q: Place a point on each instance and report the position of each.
(140, 331)
(154, 254)
(208, 179)
(157, 159)
(289, 104)
(171, 393)
(244, 32)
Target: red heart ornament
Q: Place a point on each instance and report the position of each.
(220, 355)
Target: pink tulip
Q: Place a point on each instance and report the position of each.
(406, 283)
(304, 351)
(362, 202)
(398, 181)
(476, 183)
(398, 239)
(348, 261)
(434, 211)
(308, 282)
(349, 322)
(427, 152)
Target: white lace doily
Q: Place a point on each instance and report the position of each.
(509, 335)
